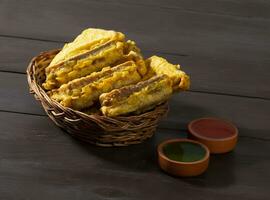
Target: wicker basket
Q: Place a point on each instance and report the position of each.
(95, 129)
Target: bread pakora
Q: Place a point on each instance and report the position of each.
(81, 93)
(89, 39)
(136, 98)
(102, 73)
(83, 64)
(158, 66)
(133, 53)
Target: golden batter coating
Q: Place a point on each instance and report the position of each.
(133, 53)
(130, 45)
(136, 98)
(135, 57)
(83, 92)
(89, 39)
(158, 65)
(83, 64)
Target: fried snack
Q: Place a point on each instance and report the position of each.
(135, 57)
(83, 64)
(83, 92)
(136, 98)
(158, 65)
(130, 46)
(133, 53)
(86, 41)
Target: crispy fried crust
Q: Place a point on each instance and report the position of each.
(136, 98)
(131, 46)
(133, 53)
(158, 65)
(89, 39)
(83, 64)
(84, 92)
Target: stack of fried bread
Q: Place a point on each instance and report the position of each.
(101, 72)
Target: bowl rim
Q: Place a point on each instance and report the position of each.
(179, 140)
(194, 133)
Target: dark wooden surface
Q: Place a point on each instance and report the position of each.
(224, 46)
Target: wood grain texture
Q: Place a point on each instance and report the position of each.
(240, 8)
(218, 75)
(169, 31)
(39, 161)
(224, 46)
(248, 113)
(16, 53)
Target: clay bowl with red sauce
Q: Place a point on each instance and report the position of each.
(218, 135)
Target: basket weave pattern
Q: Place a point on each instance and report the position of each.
(95, 129)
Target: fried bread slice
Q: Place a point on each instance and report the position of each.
(136, 98)
(159, 66)
(83, 92)
(89, 39)
(83, 64)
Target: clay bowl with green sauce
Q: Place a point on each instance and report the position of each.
(220, 136)
(183, 157)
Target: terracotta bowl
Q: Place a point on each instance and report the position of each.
(178, 168)
(218, 135)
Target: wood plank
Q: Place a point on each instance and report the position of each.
(15, 95)
(251, 114)
(194, 32)
(220, 75)
(164, 23)
(39, 161)
(239, 8)
(247, 113)
(16, 53)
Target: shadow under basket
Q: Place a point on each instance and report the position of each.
(95, 129)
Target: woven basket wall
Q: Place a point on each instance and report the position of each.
(95, 129)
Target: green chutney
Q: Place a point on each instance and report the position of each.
(184, 151)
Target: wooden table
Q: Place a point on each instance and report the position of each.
(224, 46)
